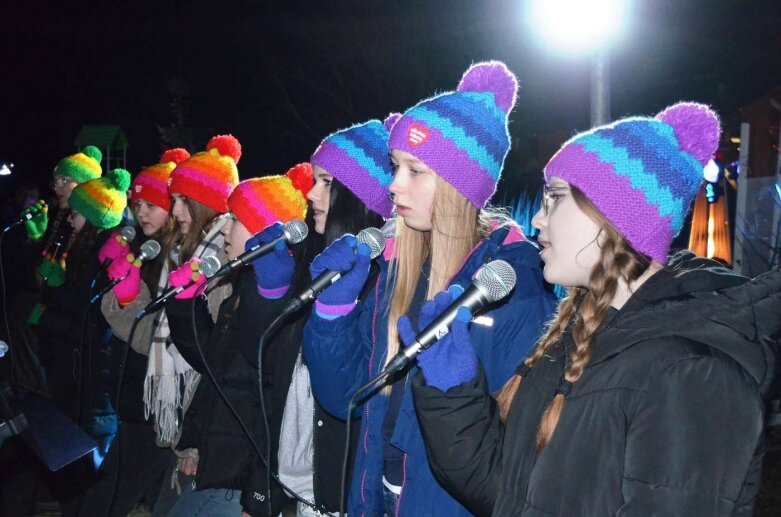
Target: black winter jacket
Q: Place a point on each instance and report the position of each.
(78, 352)
(226, 456)
(667, 418)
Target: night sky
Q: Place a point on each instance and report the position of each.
(280, 76)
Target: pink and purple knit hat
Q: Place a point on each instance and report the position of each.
(358, 157)
(462, 135)
(642, 173)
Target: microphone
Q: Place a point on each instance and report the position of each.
(389, 228)
(149, 250)
(492, 282)
(128, 233)
(35, 210)
(208, 267)
(372, 237)
(294, 232)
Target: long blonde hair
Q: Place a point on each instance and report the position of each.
(589, 306)
(456, 227)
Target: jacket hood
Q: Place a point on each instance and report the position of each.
(700, 300)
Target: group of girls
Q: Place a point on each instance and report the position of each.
(641, 393)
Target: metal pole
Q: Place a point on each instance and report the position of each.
(600, 88)
(738, 264)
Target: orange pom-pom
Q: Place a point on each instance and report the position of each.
(226, 145)
(302, 177)
(176, 155)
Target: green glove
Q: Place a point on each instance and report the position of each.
(35, 315)
(36, 226)
(52, 272)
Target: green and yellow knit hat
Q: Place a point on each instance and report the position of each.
(82, 166)
(101, 201)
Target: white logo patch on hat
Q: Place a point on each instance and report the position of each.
(417, 135)
(138, 189)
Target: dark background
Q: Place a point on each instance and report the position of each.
(282, 75)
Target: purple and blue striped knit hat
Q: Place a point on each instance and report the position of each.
(358, 157)
(642, 173)
(462, 135)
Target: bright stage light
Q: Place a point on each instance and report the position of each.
(578, 26)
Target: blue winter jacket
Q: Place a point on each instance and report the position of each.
(343, 354)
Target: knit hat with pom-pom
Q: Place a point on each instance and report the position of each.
(151, 184)
(209, 176)
(642, 173)
(259, 202)
(358, 158)
(462, 135)
(101, 201)
(82, 166)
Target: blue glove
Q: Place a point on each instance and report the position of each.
(350, 257)
(273, 271)
(450, 361)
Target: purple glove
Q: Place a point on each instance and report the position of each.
(128, 269)
(273, 271)
(451, 360)
(186, 274)
(350, 257)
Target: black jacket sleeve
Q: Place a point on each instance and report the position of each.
(181, 325)
(463, 437)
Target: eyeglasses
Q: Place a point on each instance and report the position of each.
(549, 197)
(60, 182)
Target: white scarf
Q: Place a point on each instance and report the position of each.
(170, 381)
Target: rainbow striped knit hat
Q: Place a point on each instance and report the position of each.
(462, 135)
(260, 202)
(101, 201)
(358, 157)
(209, 176)
(151, 184)
(82, 166)
(642, 173)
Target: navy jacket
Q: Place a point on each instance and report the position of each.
(343, 354)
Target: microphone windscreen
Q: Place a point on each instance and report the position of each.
(373, 238)
(297, 230)
(209, 265)
(149, 250)
(496, 279)
(128, 233)
(389, 228)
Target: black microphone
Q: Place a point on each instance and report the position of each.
(128, 233)
(372, 237)
(208, 267)
(492, 282)
(294, 232)
(149, 250)
(35, 210)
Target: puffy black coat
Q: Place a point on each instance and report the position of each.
(226, 456)
(667, 418)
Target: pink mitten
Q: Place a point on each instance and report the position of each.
(128, 269)
(187, 273)
(115, 246)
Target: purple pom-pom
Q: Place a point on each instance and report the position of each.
(494, 77)
(696, 127)
(391, 120)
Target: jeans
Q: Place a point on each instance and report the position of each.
(211, 502)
